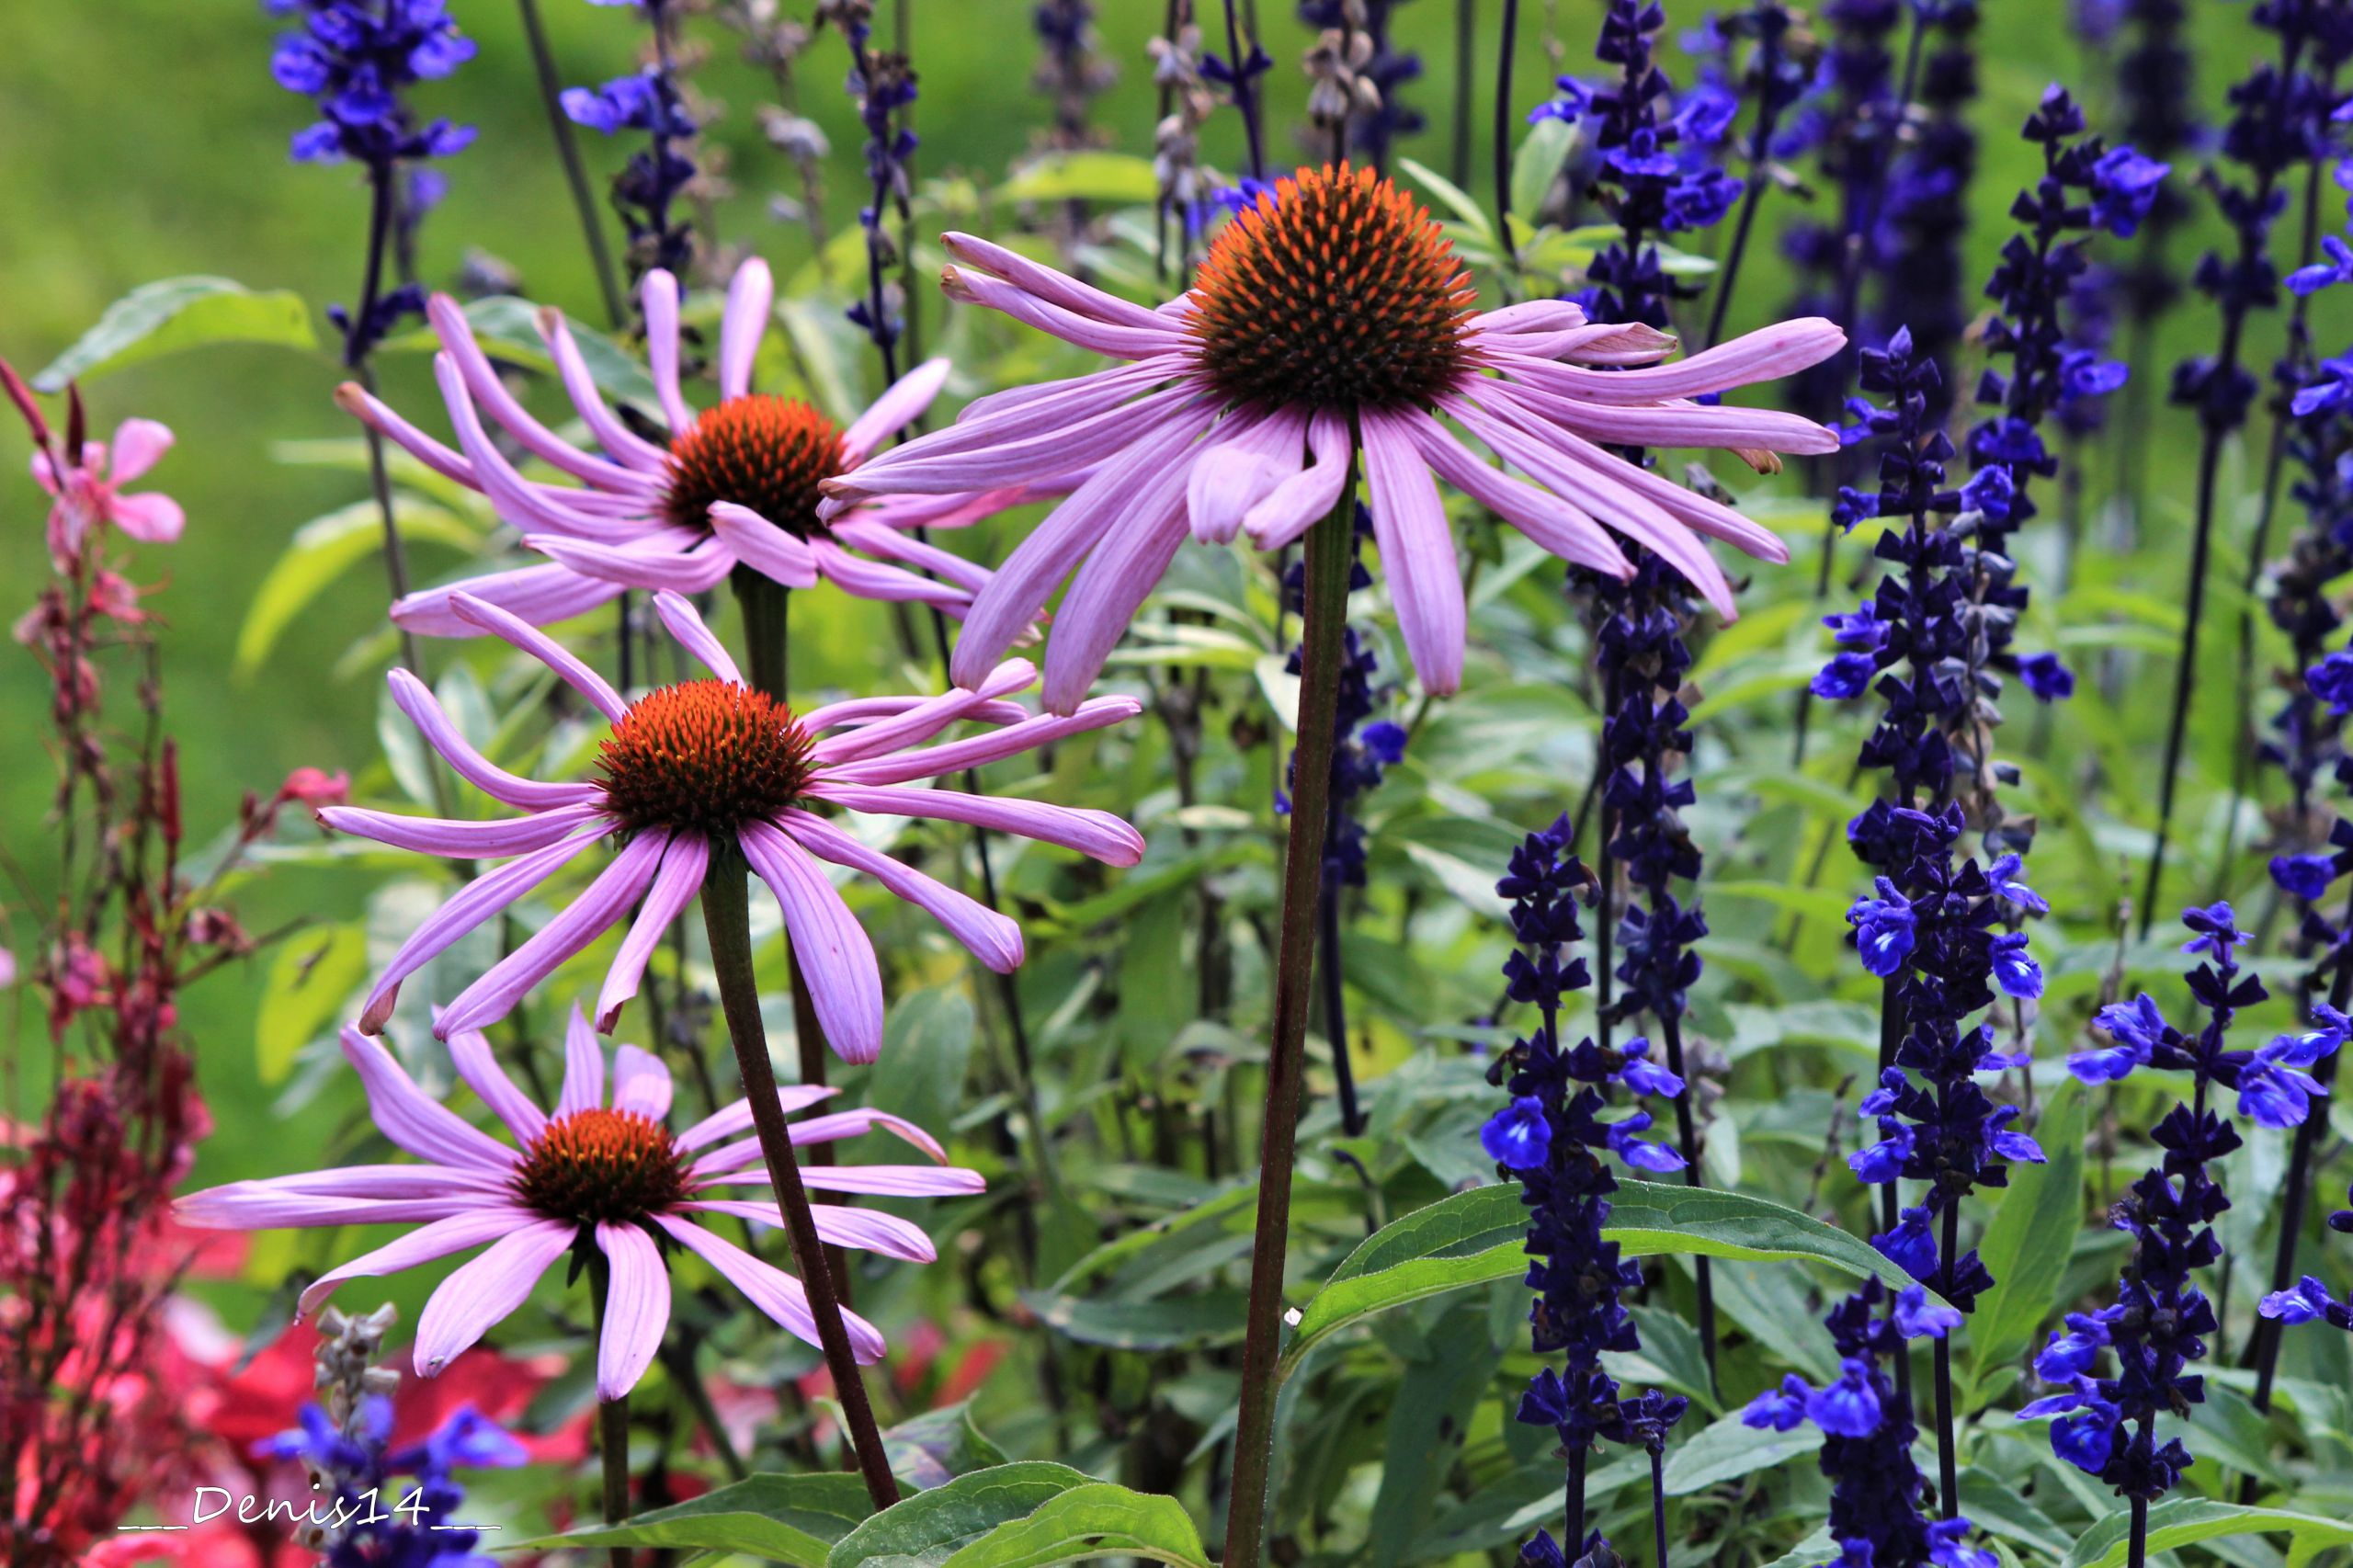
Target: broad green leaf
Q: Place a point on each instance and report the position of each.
(1996, 1506)
(786, 1518)
(2026, 1244)
(322, 551)
(927, 1529)
(1426, 1422)
(1648, 1218)
(1174, 1322)
(509, 326)
(1727, 1449)
(1537, 160)
(1083, 176)
(2186, 1520)
(933, 1448)
(310, 976)
(173, 313)
(1095, 1520)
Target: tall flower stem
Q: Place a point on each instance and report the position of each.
(1948, 1456)
(1325, 598)
(567, 149)
(727, 923)
(612, 1418)
(1504, 52)
(2137, 1553)
(357, 342)
(1687, 1143)
(1769, 109)
(1244, 95)
(1336, 1010)
(2185, 675)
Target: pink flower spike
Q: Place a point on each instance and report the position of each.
(740, 484)
(598, 1171)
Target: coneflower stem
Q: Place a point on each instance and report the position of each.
(1325, 606)
(612, 1417)
(567, 149)
(727, 923)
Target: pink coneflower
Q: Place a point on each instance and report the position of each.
(737, 483)
(710, 772)
(1332, 317)
(600, 1164)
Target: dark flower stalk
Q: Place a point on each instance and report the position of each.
(576, 176)
(884, 85)
(1071, 71)
(2277, 116)
(1379, 115)
(1780, 72)
(2159, 1324)
(1238, 71)
(1550, 1140)
(1925, 210)
(2155, 111)
(647, 189)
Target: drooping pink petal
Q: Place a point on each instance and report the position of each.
(138, 446)
(470, 1051)
(436, 1240)
(467, 908)
(874, 1181)
(978, 751)
(969, 287)
(1110, 587)
(1678, 424)
(1020, 413)
(686, 623)
(1710, 517)
(780, 556)
(658, 297)
(1596, 343)
(1097, 833)
(457, 337)
(424, 709)
(1308, 496)
(1018, 594)
(641, 1082)
(1048, 284)
(536, 507)
(605, 903)
(1236, 472)
(150, 515)
(269, 1206)
(401, 1184)
(493, 840)
(866, 1229)
(547, 649)
(890, 544)
(923, 467)
(584, 1067)
(902, 402)
(770, 1288)
(1416, 553)
(832, 1128)
(733, 1118)
(656, 563)
(539, 595)
(1768, 353)
(481, 1292)
(994, 939)
(1530, 316)
(674, 887)
(750, 295)
(1543, 516)
(889, 585)
(836, 958)
(913, 720)
(861, 710)
(378, 416)
(416, 1121)
(580, 385)
(637, 1307)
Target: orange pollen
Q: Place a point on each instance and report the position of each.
(602, 1167)
(1336, 291)
(766, 453)
(704, 756)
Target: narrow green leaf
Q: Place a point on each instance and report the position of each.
(1096, 1520)
(2026, 1243)
(1649, 1217)
(322, 551)
(2186, 1520)
(786, 1518)
(173, 313)
(927, 1529)
(1453, 198)
(1083, 176)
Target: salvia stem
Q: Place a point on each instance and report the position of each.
(1504, 52)
(2137, 1555)
(727, 923)
(2185, 675)
(567, 149)
(1324, 601)
(1948, 1456)
(1335, 1009)
(1687, 1143)
(1658, 1501)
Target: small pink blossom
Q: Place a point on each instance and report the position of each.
(89, 491)
(316, 787)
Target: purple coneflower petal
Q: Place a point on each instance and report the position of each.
(436, 1240)
(580, 385)
(918, 719)
(493, 840)
(654, 562)
(424, 709)
(379, 416)
(394, 1184)
(871, 580)
(921, 467)
(658, 297)
(859, 712)
(1096, 833)
(904, 400)
(1765, 355)
(637, 1307)
(1678, 424)
(545, 649)
(579, 923)
(686, 623)
(844, 980)
(1308, 496)
(1047, 283)
(641, 1082)
(736, 1118)
(750, 295)
(993, 937)
(764, 547)
(978, 751)
(520, 502)
(1245, 461)
(890, 544)
(1550, 522)
(1416, 553)
(265, 1205)
(874, 1181)
(539, 595)
(865, 1229)
(416, 1121)
(480, 379)
(584, 1067)
(479, 1293)
(771, 1289)
(1021, 412)
(970, 287)
(725, 1163)
(467, 908)
(674, 887)
(469, 1052)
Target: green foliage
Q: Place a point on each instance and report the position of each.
(176, 313)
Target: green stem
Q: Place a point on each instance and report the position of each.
(727, 924)
(1326, 607)
(612, 1418)
(567, 148)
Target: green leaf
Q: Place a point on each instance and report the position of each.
(1095, 1520)
(1812, 1553)
(1174, 1322)
(173, 313)
(1083, 176)
(927, 1529)
(2185, 1520)
(1433, 1408)
(309, 978)
(1647, 1217)
(324, 549)
(1537, 160)
(1728, 1449)
(933, 1448)
(1453, 198)
(2028, 1241)
(786, 1518)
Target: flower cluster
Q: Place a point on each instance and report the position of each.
(354, 60)
(2158, 1325)
(1924, 212)
(2305, 737)
(883, 84)
(1550, 1140)
(1381, 70)
(647, 189)
(378, 1503)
